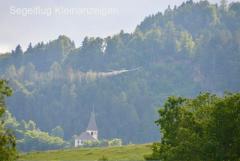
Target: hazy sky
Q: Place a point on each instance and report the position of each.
(33, 21)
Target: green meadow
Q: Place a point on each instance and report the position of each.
(128, 152)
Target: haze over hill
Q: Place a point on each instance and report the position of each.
(183, 51)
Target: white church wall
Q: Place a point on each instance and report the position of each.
(76, 143)
(93, 133)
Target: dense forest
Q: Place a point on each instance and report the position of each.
(187, 49)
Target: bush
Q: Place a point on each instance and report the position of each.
(103, 143)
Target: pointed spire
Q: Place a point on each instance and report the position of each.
(92, 126)
(93, 110)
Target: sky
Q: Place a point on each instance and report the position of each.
(25, 21)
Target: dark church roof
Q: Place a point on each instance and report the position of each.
(85, 136)
(92, 126)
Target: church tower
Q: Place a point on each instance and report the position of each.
(92, 126)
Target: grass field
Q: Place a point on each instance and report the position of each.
(129, 152)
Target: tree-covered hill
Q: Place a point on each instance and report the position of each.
(185, 50)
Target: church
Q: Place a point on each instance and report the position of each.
(91, 133)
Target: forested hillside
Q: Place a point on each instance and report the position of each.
(185, 50)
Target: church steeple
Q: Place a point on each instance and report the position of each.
(92, 126)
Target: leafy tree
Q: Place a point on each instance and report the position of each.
(58, 131)
(31, 125)
(198, 129)
(39, 140)
(7, 139)
(29, 137)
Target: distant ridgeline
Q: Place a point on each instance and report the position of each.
(187, 49)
